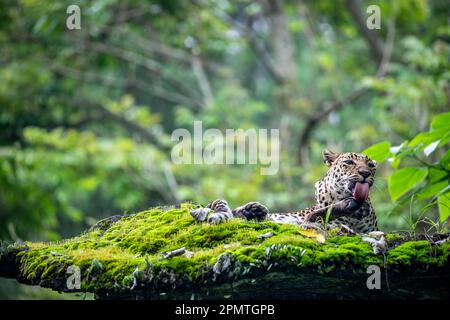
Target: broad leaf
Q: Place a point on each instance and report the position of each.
(441, 121)
(444, 206)
(445, 160)
(433, 190)
(425, 138)
(378, 152)
(403, 180)
(436, 175)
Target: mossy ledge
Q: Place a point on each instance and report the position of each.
(123, 257)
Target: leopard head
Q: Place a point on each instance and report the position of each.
(349, 175)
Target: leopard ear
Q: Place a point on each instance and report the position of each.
(329, 157)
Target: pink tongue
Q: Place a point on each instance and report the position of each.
(361, 191)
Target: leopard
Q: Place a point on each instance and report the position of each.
(342, 199)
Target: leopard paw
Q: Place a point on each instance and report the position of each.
(347, 206)
(351, 205)
(251, 211)
(216, 218)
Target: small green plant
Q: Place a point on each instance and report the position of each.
(325, 222)
(327, 217)
(421, 172)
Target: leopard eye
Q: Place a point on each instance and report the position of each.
(349, 162)
(371, 164)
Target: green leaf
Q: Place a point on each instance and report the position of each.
(436, 175)
(444, 206)
(441, 121)
(327, 217)
(433, 190)
(440, 131)
(403, 180)
(425, 138)
(396, 162)
(445, 160)
(378, 152)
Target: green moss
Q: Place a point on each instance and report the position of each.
(420, 252)
(108, 255)
(394, 237)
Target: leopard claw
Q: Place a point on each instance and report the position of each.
(214, 218)
(200, 214)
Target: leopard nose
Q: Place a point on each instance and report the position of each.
(364, 173)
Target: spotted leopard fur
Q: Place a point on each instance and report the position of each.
(334, 190)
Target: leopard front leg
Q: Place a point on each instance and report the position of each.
(346, 207)
(218, 211)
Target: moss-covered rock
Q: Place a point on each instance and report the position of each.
(124, 257)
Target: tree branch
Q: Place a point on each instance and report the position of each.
(96, 78)
(165, 50)
(387, 52)
(131, 126)
(146, 63)
(371, 37)
(257, 46)
(282, 45)
(328, 107)
(203, 82)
